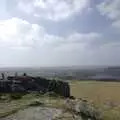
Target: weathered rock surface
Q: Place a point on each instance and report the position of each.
(35, 113)
(84, 109)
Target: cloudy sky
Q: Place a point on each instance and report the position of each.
(59, 32)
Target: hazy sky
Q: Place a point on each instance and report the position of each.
(59, 32)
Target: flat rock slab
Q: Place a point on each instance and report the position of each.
(35, 113)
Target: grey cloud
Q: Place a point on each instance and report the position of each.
(111, 9)
(55, 10)
(23, 43)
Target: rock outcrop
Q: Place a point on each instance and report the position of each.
(84, 109)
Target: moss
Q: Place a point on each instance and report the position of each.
(36, 103)
(16, 96)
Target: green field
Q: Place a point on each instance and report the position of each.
(106, 95)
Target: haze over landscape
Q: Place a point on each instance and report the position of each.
(36, 33)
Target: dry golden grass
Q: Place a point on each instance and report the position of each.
(106, 95)
(97, 91)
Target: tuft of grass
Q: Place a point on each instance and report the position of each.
(7, 113)
(16, 96)
(112, 114)
(36, 103)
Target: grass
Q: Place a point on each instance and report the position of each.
(97, 91)
(104, 95)
(12, 106)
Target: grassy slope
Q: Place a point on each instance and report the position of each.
(10, 107)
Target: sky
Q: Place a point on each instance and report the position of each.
(35, 33)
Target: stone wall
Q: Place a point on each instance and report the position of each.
(5, 86)
(60, 87)
(25, 84)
